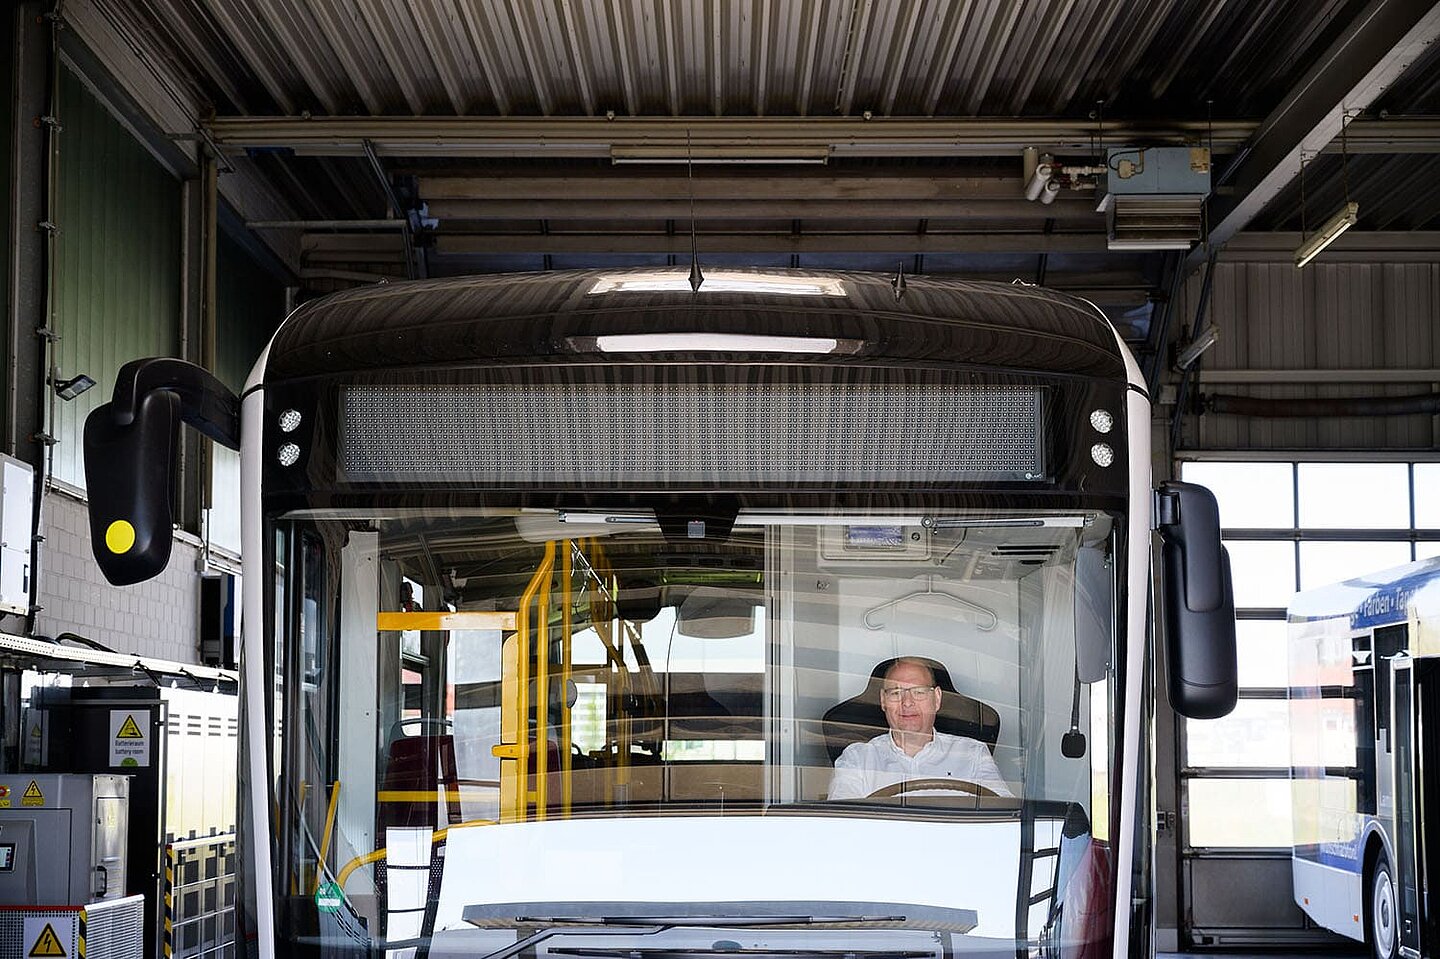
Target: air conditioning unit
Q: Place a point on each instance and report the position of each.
(1154, 197)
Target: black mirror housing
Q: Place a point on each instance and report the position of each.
(130, 449)
(1198, 601)
(129, 479)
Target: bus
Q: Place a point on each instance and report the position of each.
(1363, 692)
(563, 593)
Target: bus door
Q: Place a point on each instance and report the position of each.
(1427, 793)
(1403, 757)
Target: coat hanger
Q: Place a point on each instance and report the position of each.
(931, 591)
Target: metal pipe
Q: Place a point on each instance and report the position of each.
(1427, 404)
(1035, 185)
(325, 224)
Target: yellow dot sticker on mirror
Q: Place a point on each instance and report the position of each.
(119, 536)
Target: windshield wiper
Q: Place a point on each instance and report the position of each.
(637, 925)
(520, 945)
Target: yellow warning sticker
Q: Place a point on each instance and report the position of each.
(33, 796)
(47, 944)
(129, 738)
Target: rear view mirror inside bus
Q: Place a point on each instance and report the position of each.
(129, 470)
(1198, 602)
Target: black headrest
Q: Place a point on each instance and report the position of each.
(860, 718)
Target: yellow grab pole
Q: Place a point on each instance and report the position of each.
(542, 704)
(515, 723)
(329, 831)
(566, 572)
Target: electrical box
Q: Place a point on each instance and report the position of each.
(62, 839)
(1154, 197)
(17, 517)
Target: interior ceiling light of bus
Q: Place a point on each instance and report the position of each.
(719, 282)
(749, 518)
(712, 343)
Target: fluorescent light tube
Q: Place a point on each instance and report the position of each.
(1329, 230)
(719, 281)
(713, 343)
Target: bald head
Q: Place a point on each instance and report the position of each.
(913, 662)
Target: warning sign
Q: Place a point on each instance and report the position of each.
(129, 738)
(49, 938)
(32, 796)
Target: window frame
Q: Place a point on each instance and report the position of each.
(1295, 534)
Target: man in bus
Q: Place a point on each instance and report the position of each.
(912, 748)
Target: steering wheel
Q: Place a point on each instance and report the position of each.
(920, 785)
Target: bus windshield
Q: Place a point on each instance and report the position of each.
(492, 721)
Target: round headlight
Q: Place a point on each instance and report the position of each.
(289, 454)
(1101, 420)
(290, 421)
(1102, 454)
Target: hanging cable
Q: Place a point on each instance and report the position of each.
(697, 279)
(1303, 163)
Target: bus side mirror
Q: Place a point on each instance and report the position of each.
(130, 449)
(129, 471)
(1199, 604)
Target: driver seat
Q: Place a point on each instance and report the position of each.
(860, 717)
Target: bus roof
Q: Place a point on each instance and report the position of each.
(548, 317)
(1378, 599)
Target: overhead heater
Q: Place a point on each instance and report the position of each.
(1153, 197)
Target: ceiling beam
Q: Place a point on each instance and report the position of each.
(718, 139)
(679, 243)
(736, 140)
(1376, 48)
(630, 184)
(373, 244)
(504, 208)
(613, 194)
(1353, 246)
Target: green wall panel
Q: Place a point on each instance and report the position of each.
(118, 260)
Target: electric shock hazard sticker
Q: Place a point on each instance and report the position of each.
(43, 941)
(32, 795)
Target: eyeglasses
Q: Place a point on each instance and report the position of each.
(908, 694)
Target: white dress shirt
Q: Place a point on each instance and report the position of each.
(865, 767)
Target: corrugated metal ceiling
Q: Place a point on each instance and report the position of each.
(1163, 60)
(741, 57)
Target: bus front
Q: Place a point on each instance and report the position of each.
(602, 617)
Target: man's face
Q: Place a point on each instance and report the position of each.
(910, 699)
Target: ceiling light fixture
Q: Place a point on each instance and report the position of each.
(1343, 220)
(714, 343)
(720, 281)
